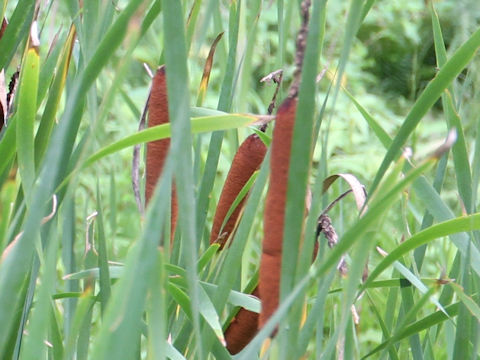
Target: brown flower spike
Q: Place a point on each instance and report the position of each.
(247, 160)
(157, 150)
(271, 259)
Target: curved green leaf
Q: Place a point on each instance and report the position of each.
(198, 125)
(466, 223)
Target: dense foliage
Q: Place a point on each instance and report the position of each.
(87, 271)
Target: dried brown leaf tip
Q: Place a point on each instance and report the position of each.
(207, 70)
(324, 225)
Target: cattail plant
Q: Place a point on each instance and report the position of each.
(157, 150)
(247, 160)
(271, 259)
(252, 151)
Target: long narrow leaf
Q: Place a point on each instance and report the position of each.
(432, 92)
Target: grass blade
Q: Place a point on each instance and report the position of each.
(17, 31)
(181, 145)
(54, 95)
(432, 92)
(39, 323)
(198, 125)
(105, 289)
(14, 268)
(224, 104)
(27, 108)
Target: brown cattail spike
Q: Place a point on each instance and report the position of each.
(271, 259)
(157, 150)
(242, 329)
(247, 160)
